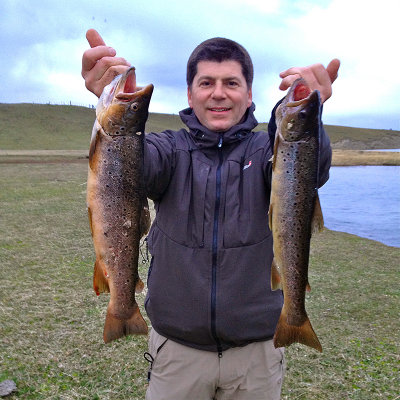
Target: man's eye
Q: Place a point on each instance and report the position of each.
(205, 83)
(232, 83)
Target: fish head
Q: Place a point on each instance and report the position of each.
(298, 114)
(123, 107)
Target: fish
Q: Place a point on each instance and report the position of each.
(295, 211)
(116, 201)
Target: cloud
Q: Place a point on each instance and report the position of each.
(42, 60)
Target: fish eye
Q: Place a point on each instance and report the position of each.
(134, 106)
(303, 114)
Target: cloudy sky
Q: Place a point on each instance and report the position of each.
(42, 42)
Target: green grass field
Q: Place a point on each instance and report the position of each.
(51, 321)
(50, 127)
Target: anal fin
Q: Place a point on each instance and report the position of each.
(139, 286)
(317, 222)
(100, 282)
(275, 276)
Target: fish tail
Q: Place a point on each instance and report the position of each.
(115, 328)
(286, 334)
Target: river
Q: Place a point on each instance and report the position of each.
(364, 201)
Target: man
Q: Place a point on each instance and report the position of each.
(209, 299)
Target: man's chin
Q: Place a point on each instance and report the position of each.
(219, 128)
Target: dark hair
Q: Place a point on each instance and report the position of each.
(220, 49)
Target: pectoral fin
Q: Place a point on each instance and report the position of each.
(270, 216)
(276, 144)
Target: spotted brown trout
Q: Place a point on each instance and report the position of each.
(295, 210)
(117, 205)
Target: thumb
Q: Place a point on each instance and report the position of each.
(94, 38)
(333, 68)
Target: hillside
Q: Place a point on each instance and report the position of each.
(62, 127)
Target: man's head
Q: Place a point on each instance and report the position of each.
(218, 50)
(219, 77)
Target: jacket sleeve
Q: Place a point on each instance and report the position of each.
(159, 162)
(325, 150)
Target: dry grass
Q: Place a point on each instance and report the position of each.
(51, 321)
(360, 157)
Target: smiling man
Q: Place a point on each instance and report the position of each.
(219, 95)
(209, 299)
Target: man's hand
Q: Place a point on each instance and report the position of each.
(99, 64)
(316, 76)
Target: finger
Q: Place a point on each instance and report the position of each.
(288, 81)
(290, 71)
(333, 68)
(98, 86)
(94, 38)
(105, 63)
(92, 56)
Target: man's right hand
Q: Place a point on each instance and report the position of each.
(99, 63)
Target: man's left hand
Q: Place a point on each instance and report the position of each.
(316, 76)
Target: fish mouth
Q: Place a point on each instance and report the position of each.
(127, 90)
(300, 94)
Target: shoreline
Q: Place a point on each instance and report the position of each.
(339, 157)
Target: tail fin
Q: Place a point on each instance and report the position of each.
(115, 328)
(286, 334)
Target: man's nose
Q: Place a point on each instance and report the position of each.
(219, 91)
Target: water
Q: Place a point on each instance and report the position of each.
(364, 201)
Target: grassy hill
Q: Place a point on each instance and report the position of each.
(56, 127)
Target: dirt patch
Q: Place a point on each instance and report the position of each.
(43, 156)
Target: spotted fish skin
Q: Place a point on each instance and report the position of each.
(295, 211)
(117, 204)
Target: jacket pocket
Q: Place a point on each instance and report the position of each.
(246, 204)
(181, 211)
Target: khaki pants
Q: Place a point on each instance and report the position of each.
(252, 372)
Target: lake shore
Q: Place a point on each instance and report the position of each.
(339, 157)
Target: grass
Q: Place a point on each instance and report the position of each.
(364, 157)
(54, 127)
(50, 127)
(51, 321)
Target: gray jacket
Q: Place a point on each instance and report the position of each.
(209, 279)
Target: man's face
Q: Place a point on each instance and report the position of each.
(219, 94)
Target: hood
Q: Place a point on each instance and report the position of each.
(203, 137)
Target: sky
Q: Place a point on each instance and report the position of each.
(42, 42)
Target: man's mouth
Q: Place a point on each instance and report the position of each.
(219, 109)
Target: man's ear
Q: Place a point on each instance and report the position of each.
(189, 96)
(250, 98)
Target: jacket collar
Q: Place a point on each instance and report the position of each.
(203, 137)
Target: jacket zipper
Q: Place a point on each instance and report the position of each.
(215, 251)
